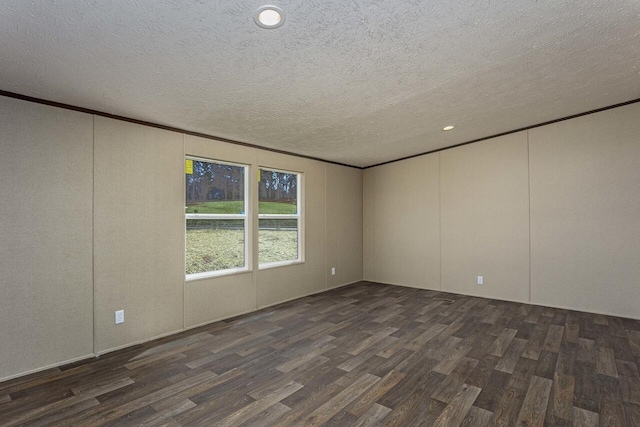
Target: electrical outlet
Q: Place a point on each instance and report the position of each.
(480, 280)
(119, 317)
(333, 271)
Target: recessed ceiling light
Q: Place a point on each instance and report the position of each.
(269, 17)
(448, 128)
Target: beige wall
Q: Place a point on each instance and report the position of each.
(134, 235)
(211, 299)
(585, 212)
(284, 283)
(46, 286)
(402, 222)
(344, 218)
(139, 232)
(485, 218)
(581, 217)
(470, 203)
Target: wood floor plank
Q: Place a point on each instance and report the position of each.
(586, 350)
(616, 327)
(622, 349)
(509, 361)
(456, 411)
(600, 319)
(534, 407)
(534, 315)
(372, 416)
(411, 382)
(159, 395)
(508, 407)
(415, 407)
(163, 417)
(482, 372)
(612, 412)
(39, 379)
(606, 362)
(355, 361)
(292, 364)
(447, 389)
(586, 394)
(502, 342)
(477, 417)
(630, 389)
(359, 406)
(51, 418)
(572, 328)
(448, 364)
(562, 402)
(584, 418)
(633, 414)
(634, 341)
(342, 399)
(268, 416)
(553, 340)
(427, 336)
(258, 406)
(305, 403)
(368, 342)
(546, 365)
(361, 355)
(65, 403)
(535, 344)
(493, 391)
(627, 369)
(567, 358)
(325, 327)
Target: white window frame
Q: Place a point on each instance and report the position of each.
(299, 216)
(245, 217)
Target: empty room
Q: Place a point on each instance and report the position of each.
(305, 213)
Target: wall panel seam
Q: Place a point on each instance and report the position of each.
(93, 230)
(184, 239)
(440, 216)
(326, 233)
(529, 201)
(374, 270)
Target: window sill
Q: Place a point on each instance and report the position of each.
(214, 274)
(279, 264)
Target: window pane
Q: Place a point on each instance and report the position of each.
(278, 192)
(215, 188)
(214, 244)
(278, 240)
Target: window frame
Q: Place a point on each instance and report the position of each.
(245, 217)
(299, 217)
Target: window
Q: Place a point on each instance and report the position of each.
(216, 218)
(279, 217)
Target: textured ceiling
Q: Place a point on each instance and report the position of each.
(357, 82)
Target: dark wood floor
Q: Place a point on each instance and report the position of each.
(362, 355)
